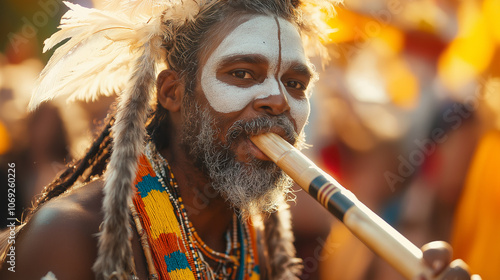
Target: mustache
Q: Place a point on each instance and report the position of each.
(279, 124)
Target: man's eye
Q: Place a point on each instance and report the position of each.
(241, 74)
(295, 85)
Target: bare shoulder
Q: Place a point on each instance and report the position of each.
(61, 237)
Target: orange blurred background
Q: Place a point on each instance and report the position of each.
(405, 116)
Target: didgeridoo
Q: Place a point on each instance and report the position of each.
(379, 236)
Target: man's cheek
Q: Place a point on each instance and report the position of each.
(300, 110)
(225, 98)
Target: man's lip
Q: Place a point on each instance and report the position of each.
(256, 152)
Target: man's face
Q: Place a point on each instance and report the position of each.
(259, 65)
(256, 80)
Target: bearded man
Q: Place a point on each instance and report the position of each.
(205, 202)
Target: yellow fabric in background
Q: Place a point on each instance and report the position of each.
(476, 234)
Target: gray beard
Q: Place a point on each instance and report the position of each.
(252, 188)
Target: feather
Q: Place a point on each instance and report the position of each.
(99, 55)
(179, 10)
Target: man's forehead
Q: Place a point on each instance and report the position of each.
(271, 37)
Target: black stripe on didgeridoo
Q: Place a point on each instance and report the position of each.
(338, 204)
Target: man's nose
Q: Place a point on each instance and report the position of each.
(275, 103)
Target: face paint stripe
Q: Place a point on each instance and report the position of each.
(278, 67)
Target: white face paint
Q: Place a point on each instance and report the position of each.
(280, 45)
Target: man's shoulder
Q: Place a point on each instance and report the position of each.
(78, 208)
(61, 236)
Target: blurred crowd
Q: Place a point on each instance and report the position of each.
(406, 115)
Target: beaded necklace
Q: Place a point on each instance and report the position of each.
(171, 244)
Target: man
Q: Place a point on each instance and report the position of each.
(201, 189)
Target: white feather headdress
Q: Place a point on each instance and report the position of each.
(103, 46)
(118, 50)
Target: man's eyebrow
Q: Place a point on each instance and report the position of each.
(302, 69)
(252, 59)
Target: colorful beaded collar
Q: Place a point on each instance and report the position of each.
(171, 244)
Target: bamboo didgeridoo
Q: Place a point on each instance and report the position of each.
(379, 236)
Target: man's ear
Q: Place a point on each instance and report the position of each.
(170, 90)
